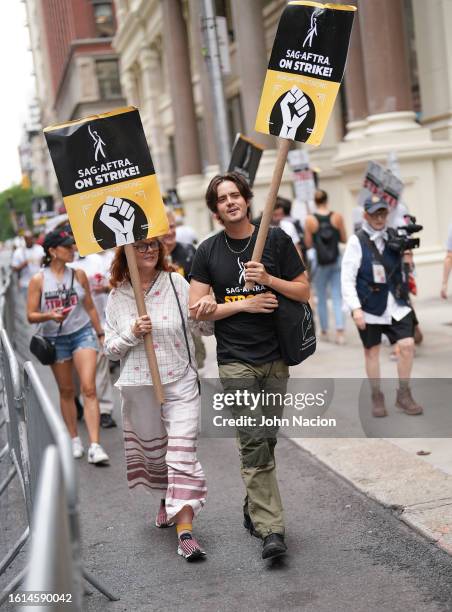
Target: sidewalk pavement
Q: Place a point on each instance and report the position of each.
(389, 470)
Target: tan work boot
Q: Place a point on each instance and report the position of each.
(378, 404)
(406, 402)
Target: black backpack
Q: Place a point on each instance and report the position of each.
(326, 240)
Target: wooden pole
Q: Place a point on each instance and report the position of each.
(141, 306)
(283, 150)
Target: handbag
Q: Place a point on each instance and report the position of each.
(295, 327)
(40, 346)
(184, 329)
(42, 349)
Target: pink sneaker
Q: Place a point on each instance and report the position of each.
(189, 548)
(161, 520)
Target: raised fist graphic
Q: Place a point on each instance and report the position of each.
(122, 227)
(299, 106)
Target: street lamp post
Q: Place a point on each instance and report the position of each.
(212, 57)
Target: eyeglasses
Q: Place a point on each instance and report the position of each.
(382, 213)
(153, 245)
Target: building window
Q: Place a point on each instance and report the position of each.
(235, 116)
(104, 19)
(108, 78)
(223, 9)
(412, 58)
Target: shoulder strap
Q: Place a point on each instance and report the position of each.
(181, 316)
(68, 297)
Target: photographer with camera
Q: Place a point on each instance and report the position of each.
(375, 290)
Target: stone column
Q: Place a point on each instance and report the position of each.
(208, 112)
(434, 53)
(152, 85)
(252, 62)
(128, 84)
(121, 11)
(355, 85)
(177, 55)
(189, 168)
(386, 66)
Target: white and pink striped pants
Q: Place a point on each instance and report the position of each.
(160, 442)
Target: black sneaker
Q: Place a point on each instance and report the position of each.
(248, 524)
(273, 546)
(107, 421)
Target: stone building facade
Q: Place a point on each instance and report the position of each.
(396, 98)
(76, 68)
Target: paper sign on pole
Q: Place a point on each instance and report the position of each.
(245, 158)
(305, 70)
(381, 182)
(304, 184)
(43, 209)
(107, 179)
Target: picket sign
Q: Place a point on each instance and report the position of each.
(304, 73)
(141, 307)
(110, 190)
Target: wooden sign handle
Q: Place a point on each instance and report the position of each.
(283, 150)
(141, 307)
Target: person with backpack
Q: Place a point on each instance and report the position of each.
(323, 231)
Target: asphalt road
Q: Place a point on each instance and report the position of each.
(346, 553)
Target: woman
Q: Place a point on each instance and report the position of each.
(160, 441)
(60, 300)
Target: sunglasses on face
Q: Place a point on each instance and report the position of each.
(143, 247)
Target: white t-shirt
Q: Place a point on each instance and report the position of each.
(33, 256)
(289, 228)
(97, 268)
(185, 234)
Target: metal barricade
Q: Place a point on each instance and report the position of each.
(14, 412)
(45, 426)
(51, 569)
(16, 437)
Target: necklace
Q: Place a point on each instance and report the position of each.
(153, 281)
(244, 249)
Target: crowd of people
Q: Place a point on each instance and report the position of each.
(86, 311)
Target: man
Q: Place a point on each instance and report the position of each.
(26, 261)
(324, 230)
(97, 269)
(447, 265)
(247, 346)
(181, 256)
(375, 291)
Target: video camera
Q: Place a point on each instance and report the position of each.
(399, 238)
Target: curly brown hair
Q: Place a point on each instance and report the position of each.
(240, 182)
(119, 270)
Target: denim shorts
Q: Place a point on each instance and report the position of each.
(69, 343)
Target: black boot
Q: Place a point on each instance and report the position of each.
(273, 546)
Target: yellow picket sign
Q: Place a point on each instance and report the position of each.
(107, 179)
(305, 70)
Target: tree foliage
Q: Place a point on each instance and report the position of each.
(20, 199)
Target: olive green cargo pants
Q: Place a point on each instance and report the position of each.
(257, 442)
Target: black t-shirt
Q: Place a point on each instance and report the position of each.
(182, 256)
(246, 337)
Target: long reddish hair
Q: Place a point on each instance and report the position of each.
(119, 270)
